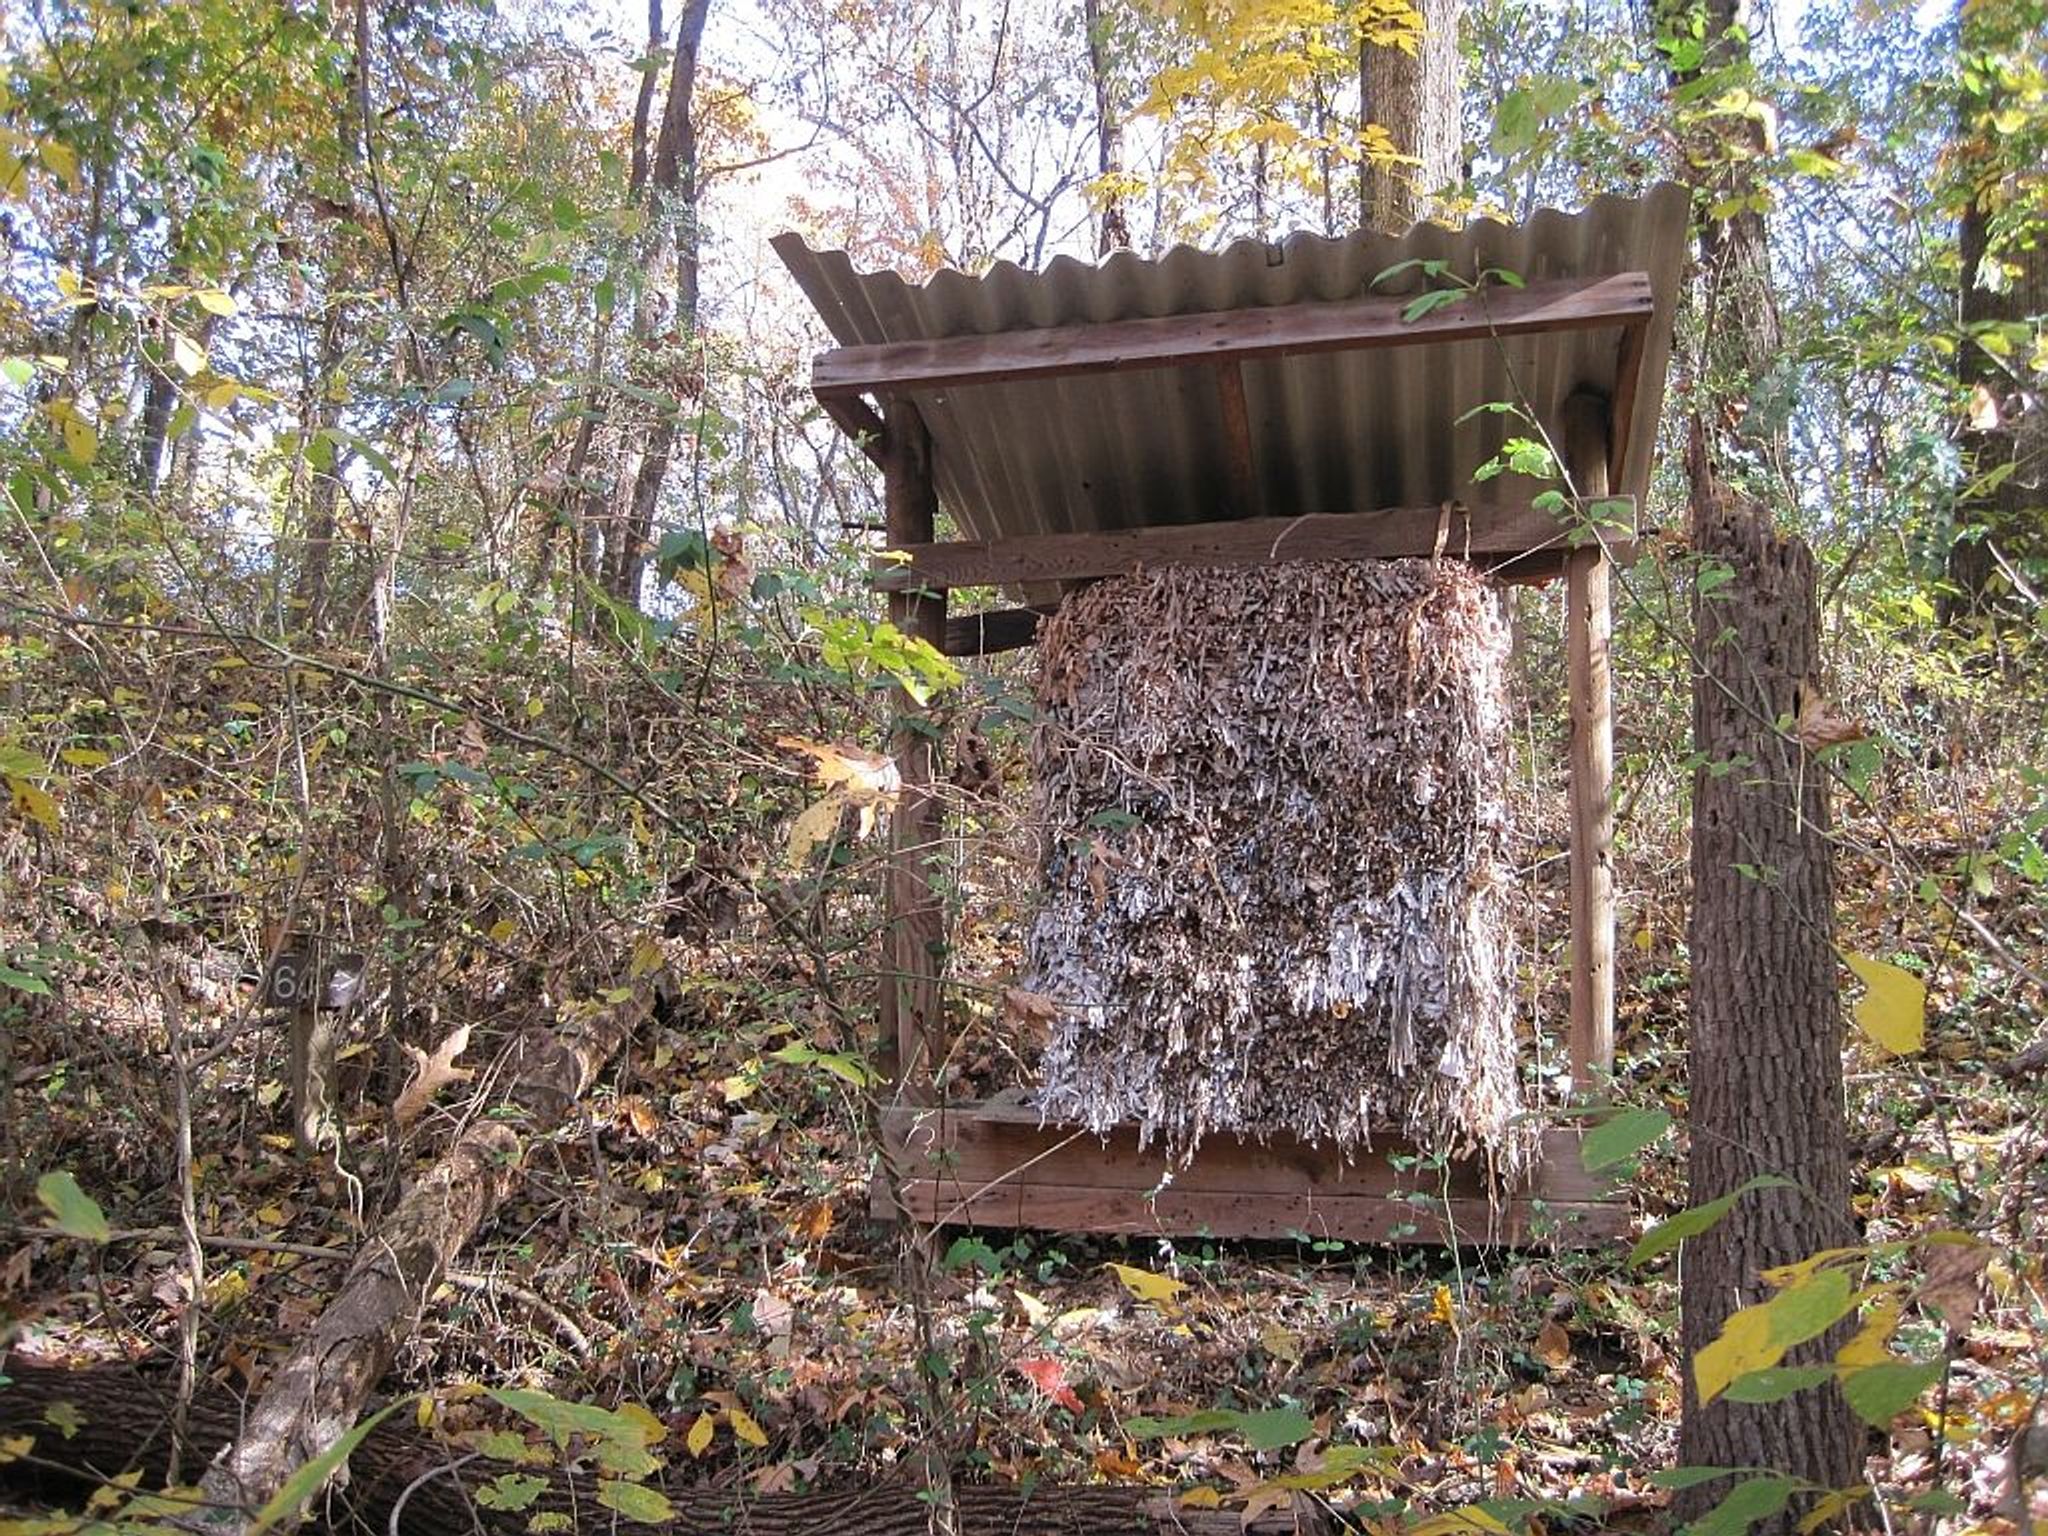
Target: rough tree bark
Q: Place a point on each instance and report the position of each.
(318, 1393)
(1764, 1003)
(1765, 1014)
(1415, 97)
(124, 1424)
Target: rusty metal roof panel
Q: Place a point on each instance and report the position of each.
(1331, 431)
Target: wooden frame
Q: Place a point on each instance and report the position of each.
(993, 1163)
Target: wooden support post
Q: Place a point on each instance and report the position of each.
(913, 1007)
(1589, 689)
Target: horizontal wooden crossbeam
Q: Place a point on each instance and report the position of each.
(1499, 536)
(993, 1164)
(993, 630)
(1231, 335)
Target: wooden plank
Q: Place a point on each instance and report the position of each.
(1521, 1222)
(1505, 535)
(995, 629)
(859, 421)
(1628, 382)
(973, 1145)
(913, 994)
(1237, 440)
(1233, 335)
(1589, 691)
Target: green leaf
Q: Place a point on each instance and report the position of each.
(1668, 1234)
(18, 371)
(73, 1212)
(312, 1477)
(561, 1420)
(1206, 1421)
(511, 1490)
(1429, 303)
(216, 301)
(1621, 1136)
(1746, 1503)
(22, 981)
(636, 1501)
(1274, 1428)
(1776, 1383)
(1677, 1479)
(1880, 1393)
(1811, 1307)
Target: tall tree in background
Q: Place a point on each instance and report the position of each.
(1765, 1010)
(1114, 230)
(665, 317)
(1412, 93)
(2002, 293)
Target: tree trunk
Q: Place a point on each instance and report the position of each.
(672, 210)
(318, 1393)
(1764, 1002)
(1765, 1016)
(1999, 511)
(323, 492)
(1113, 233)
(1415, 98)
(124, 1425)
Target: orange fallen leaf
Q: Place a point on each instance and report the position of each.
(1050, 1377)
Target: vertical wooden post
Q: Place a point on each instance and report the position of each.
(913, 1008)
(1589, 690)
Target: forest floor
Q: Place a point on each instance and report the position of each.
(700, 1242)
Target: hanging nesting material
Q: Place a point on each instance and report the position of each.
(1275, 872)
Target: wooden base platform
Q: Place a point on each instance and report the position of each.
(992, 1165)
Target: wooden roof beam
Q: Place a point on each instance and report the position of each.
(1232, 335)
(1500, 537)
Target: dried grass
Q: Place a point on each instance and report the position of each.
(1276, 875)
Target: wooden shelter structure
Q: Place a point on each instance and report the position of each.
(1268, 403)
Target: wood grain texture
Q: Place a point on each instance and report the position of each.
(1589, 690)
(1513, 539)
(1233, 335)
(913, 1004)
(993, 1164)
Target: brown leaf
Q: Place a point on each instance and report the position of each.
(1954, 1281)
(1818, 727)
(1554, 1345)
(431, 1074)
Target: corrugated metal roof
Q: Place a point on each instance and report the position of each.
(1331, 432)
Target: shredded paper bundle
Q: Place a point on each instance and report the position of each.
(1275, 875)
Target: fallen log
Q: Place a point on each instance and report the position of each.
(122, 1415)
(318, 1393)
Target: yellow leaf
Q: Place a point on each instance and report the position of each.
(14, 1447)
(865, 776)
(1441, 1309)
(1160, 1290)
(743, 1425)
(1868, 1346)
(503, 929)
(37, 804)
(698, 1440)
(60, 158)
(1893, 1010)
(652, 1430)
(817, 823)
(1200, 1498)
(1745, 1345)
(1460, 1522)
(85, 757)
(216, 301)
